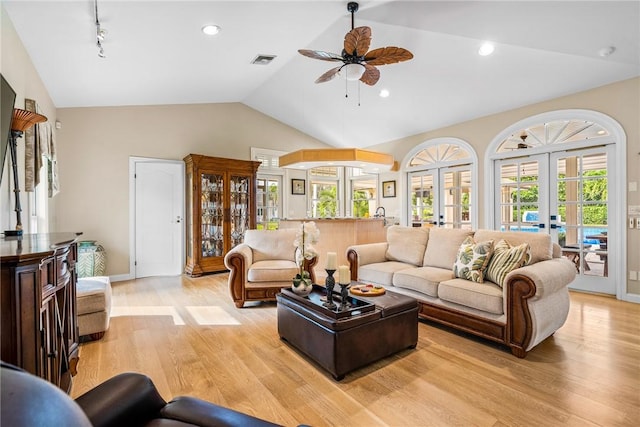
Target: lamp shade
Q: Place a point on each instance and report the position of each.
(353, 72)
(23, 119)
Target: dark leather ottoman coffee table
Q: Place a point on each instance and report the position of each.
(341, 341)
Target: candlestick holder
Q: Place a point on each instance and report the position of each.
(330, 282)
(344, 294)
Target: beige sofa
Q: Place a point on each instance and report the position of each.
(531, 304)
(262, 265)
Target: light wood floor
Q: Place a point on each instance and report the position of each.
(587, 374)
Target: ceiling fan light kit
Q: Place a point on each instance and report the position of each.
(358, 62)
(352, 72)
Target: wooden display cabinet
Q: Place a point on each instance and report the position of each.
(221, 206)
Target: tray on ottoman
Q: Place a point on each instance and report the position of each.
(377, 328)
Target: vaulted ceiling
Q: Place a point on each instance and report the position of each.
(157, 54)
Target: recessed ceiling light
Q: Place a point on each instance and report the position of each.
(384, 93)
(211, 30)
(486, 49)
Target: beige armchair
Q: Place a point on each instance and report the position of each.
(262, 265)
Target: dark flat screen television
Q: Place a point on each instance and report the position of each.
(7, 101)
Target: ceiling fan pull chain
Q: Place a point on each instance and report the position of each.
(358, 93)
(346, 87)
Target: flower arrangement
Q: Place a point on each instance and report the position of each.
(307, 235)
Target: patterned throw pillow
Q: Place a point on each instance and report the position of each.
(472, 260)
(507, 258)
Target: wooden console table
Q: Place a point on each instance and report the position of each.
(39, 330)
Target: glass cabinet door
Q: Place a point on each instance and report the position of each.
(189, 213)
(239, 207)
(212, 221)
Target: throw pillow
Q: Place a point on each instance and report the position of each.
(406, 244)
(507, 258)
(472, 260)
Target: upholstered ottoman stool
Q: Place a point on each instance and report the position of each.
(342, 341)
(93, 296)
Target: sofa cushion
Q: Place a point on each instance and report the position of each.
(406, 244)
(422, 279)
(472, 259)
(443, 246)
(485, 296)
(541, 244)
(381, 273)
(272, 271)
(271, 244)
(505, 259)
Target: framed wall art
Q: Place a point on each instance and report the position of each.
(388, 189)
(298, 186)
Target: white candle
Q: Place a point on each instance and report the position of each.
(344, 275)
(332, 260)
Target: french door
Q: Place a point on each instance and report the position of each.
(441, 197)
(564, 194)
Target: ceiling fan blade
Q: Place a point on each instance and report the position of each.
(371, 75)
(319, 54)
(357, 41)
(387, 55)
(329, 75)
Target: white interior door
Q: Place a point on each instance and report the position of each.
(159, 229)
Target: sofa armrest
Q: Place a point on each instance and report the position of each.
(126, 399)
(198, 412)
(238, 260)
(368, 253)
(547, 276)
(543, 280)
(242, 250)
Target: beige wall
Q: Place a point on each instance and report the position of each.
(95, 145)
(17, 69)
(620, 101)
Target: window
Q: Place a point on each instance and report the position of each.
(324, 192)
(269, 188)
(364, 193)
(268, 204)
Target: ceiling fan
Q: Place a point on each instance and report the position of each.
(357, 62)
(521, 145)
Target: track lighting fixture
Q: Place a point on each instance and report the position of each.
(100, 34)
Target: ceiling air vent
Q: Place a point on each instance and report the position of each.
(263, 59)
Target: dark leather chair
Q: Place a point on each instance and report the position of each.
(126, 400)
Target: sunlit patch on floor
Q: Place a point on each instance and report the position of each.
(151, 310)
(211, 315)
